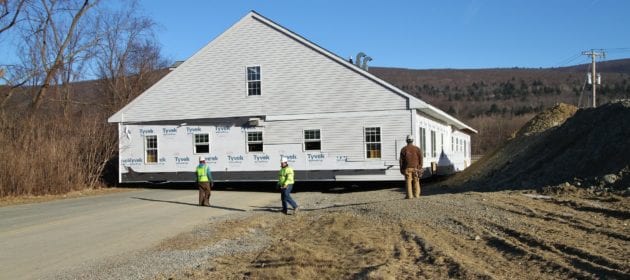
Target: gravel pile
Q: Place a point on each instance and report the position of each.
(559, 147)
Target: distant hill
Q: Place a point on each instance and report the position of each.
(500, 100)
(609, 66)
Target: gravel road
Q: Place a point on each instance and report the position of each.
(46, 240)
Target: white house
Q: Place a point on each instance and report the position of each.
(260, 91)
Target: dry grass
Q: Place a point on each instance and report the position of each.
(25, 199)
(46, 154)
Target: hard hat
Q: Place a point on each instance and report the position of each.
(202, 159)
(409, 138)
(283, 160)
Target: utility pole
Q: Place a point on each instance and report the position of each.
(593, 54)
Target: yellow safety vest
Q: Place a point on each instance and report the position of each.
(286, 176)
(202, 174)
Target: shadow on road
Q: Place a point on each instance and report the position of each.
(430, 186)
(190, 204)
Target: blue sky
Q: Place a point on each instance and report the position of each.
(417, 34)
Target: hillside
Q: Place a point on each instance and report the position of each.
(497, 102)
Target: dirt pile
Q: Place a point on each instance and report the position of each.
(550, 118)
(586, 149)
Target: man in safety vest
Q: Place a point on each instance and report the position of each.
(204, 182)
(411, 167)
(285, 182)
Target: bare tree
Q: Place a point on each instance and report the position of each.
(9, 14)
(53, 26)
(129, 55)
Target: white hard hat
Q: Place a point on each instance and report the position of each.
(409, 138)
(202, 159)
(283, 159)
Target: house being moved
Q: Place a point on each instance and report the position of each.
(259, 92)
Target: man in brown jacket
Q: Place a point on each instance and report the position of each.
(411, 167)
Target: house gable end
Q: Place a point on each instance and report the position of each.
(297, 77)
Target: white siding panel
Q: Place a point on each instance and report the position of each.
(295, 80)
(344, 136)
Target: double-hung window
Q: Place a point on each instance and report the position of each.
(202, 143)
(151, 148)
(255, 141)
(253, 80)
(373, 142)
(312, 140)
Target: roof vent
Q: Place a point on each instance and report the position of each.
(363, 65)
(175, 65)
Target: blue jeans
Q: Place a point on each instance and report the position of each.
(285, 196)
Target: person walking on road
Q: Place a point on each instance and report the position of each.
(285, 183)
(204, 182)
(411, 167)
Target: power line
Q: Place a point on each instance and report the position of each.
(568, 60)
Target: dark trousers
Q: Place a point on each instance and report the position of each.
(204, 193)
(285, 196)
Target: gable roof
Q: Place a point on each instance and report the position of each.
(413, 102)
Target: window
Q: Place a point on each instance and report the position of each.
(255, 141)
(423, 141)
(452, 144)
(253, 80)
(151, 148)
(312, 140)
(373, 142)
(433, 144)
(202, 143)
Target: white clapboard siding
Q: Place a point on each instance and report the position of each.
(344, 135)
(296, 79)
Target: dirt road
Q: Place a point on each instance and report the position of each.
(40, 240)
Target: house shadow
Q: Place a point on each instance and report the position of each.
(279, 209)
(189, 204)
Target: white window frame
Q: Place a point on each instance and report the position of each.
(147, 149)
(433, 144)
(195, 143)
(247, 80)
(423, 141)
(261, 141)
(304, 140)
(380, 142)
